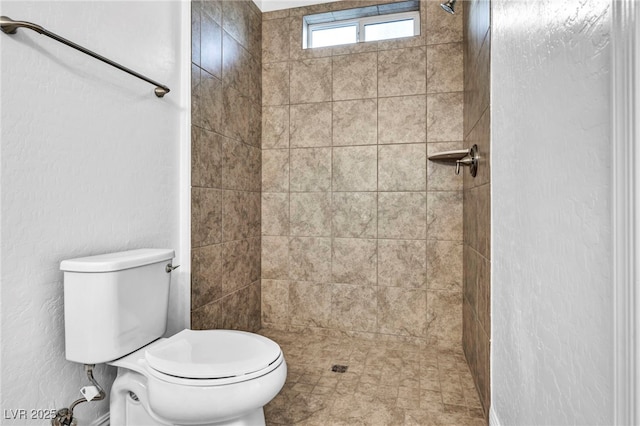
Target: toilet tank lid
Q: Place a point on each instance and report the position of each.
(111, 262)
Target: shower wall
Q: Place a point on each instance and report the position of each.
(360, 233)
(226, 119)
(477, 192)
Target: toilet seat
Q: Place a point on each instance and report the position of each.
(212, 357)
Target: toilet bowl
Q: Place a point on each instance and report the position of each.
(115, 312)
(207, 377)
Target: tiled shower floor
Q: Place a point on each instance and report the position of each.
(387, 383)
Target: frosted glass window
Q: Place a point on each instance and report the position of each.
(334, 36)
(388, 30)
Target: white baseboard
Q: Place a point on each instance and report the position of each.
(493, 417)
(103, 420)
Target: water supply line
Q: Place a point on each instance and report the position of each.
(64, 416)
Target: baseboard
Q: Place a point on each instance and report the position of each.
(103, 420)
(493, 417)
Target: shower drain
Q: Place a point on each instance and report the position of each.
(339, 368)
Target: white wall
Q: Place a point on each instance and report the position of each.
(90, 163)
(271, 5)
(552, 358)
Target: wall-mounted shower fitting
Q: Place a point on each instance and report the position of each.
(64, 416)
(459, 157)
(448, 6)
(470, 160)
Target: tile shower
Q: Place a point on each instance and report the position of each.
(477, 210)
(360, 235)
(317, 217)
(225, 161)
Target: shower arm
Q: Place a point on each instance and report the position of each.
(9, 26)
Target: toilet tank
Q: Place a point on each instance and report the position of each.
(114, 303)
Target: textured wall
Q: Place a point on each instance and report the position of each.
(360, 233)
(552, 318)
(476, 329)
(225, 228)
(89, 165)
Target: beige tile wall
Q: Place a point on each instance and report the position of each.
(226, 164)
(361, 234)
(477, 191)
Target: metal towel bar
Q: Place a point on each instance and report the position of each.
(9, 26)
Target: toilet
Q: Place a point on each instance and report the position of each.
(115, 309)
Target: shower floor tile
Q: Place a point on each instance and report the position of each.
(386, 383)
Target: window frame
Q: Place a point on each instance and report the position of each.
(360, 24)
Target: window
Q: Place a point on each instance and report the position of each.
(390, 29)
(334, 35)
(364, 24)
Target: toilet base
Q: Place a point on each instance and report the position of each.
(129, 406)
(253, 418)
(138, 416)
